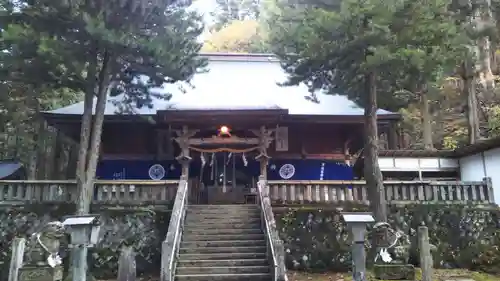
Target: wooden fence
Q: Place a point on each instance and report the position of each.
(104, 191)
(404, 192)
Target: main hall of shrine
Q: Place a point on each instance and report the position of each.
(234, 122)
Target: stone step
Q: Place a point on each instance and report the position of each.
(222, 256)
(222, 270)
(224, 206)
(235, 220)
(222, 243)
(226, 215)
(220, 231)
(219, 263)
(222, 212)
(188, 237)
(224, 209)
(225, 277)
(221, 225)
(222, 250)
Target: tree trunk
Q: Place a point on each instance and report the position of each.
(60, 157)
(426, 120)
(90, 139)
(95, 142)
(481, 20)
(83, 201)
(72, 161)
(373, 175)
(50, 153)
(37, 146)
(469, 91)
(42, 149)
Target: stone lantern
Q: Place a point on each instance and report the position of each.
(84, 230)
(357, 222)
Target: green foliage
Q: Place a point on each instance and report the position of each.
(63, 39)
(57, 51)
(427, 42)
(332, 50)
(228, 11)
(141, 230)
(144, 231)
(316, 239)
(21, 222)
(494, 121)
(237, 37)
(465, 237)
(404, 42)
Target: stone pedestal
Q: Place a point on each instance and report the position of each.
(40, 273)
(394, 271)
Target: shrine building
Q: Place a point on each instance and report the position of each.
(231, 124)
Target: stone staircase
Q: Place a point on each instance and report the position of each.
(223, 243)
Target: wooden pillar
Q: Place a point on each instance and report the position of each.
(393, 135)
(347, 154)
(265, 140)
(183, 140)
(263, 167)
(185, 167)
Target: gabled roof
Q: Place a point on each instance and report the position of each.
(240, 82)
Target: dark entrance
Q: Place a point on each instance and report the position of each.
(226, 178)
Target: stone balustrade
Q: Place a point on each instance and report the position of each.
(400, 192)
(105, 191)
(285, 192)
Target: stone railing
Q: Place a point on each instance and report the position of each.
(275, 247)
(112, 191)
(170, 246)
(399, 192)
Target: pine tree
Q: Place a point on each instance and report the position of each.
(367, 50)
(429, 45)
(100, 48)
(343, 52)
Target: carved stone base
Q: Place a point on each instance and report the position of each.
(394, 271)
(40, 273)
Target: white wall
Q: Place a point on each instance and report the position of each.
(424, 164)
(478, 166)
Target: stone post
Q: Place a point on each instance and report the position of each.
(489, 190)
(79, 265)
(356, 222)
(358, 261)
(425, 253)
(126, 265)
(16, 260)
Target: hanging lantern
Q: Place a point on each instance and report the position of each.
(224, 131)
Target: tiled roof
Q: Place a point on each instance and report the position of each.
(239, 82)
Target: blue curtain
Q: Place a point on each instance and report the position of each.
(138, 169)
(308, 169)
(278, 169)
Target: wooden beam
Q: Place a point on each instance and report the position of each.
(223, 140)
